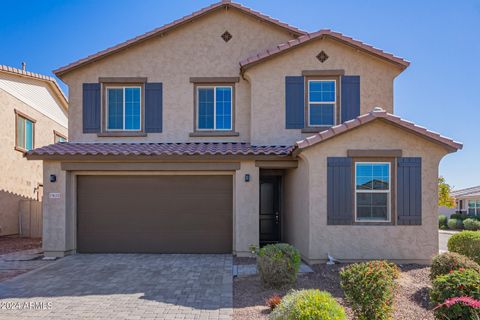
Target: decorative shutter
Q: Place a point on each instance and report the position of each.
(350, 89)
(91, 108)
(339, 191)
(294, 102)
(409, 191)
(153, 107)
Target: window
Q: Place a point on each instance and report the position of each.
(322, 101)
(474, 207)
(25, 133)
(58, 137)
(372, 191)
(214, 108)
(123, 108)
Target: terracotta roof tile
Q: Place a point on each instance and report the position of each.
(260, 56)
(377, 113)
(158, 149)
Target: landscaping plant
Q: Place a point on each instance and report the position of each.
(442, 221)
(458, 283)
(466, 243)
(278, 265)
(308, 305)
(455, 224)
(369, 288)
(471, 224)
(273, 301)
(446, 262)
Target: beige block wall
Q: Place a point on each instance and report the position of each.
(268, 85)
(59, 224)
(19, 177)
(400, 243)
(192, 50)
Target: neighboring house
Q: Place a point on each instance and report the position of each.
(467, 200)
(33, 114)
(227, 128)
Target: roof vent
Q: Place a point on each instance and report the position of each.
(24, 66)
(378, 109)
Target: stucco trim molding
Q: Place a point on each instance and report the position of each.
(150, 166)
(374, 153)
(210, 80)
(335, 72)
(266, 164)
(214, 134)
(123, 79)
(121, 134)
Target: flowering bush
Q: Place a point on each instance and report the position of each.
(369, 288)
(273, 301)
(448, 261)
(458, 283)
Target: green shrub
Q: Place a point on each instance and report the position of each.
(369, 288)
(444, 263)
(458, 216)
(455, 224)
(278, 264)
(442, 221)
(471, 224)
(308, 305)
(459, 283)
(466, 243)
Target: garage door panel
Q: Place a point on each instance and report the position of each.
(154, 214)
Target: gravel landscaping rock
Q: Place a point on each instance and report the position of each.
(15, 243)
(411, 300)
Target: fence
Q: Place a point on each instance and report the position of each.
(30, 218)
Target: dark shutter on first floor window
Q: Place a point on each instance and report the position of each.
(294, 102)
(350, 97)
(339, 191)
(409, 191)
(91, 108)
(153, 107)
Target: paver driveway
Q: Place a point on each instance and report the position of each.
(123, 286)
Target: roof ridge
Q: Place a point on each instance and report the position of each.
(142, 37)
(256, 58)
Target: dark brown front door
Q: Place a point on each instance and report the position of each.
(155, 214)
(269, 209)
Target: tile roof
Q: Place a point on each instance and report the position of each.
(222, 4)
(157, 149)
(375, 114)
(260, 56)
(472, 191)
(37, 76)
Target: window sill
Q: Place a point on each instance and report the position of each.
(373, 223)
(214, 134)
(315, 129)
(121, 134)
(21, 150)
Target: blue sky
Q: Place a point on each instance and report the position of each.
(440, 90)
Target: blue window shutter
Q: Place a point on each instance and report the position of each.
(91, 107)
(339, 191)
(409, 191)
(153, 107)
(294, 102)
(350, 95)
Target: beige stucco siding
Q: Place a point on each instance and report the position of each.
(268, 85)
(192, 50)
(19, 178)
(401, 243)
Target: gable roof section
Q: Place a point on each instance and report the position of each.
(377, 114)
(467, 192)
(36, 90)
(156, 32)
(306, 38)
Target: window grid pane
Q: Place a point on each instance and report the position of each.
(20, 132)
(132, 108)
(321, 91)
(28, 135)
(223, 108)
(214, 108)
(115, 108)
(372, 184)
(322, 114)
(205, 108)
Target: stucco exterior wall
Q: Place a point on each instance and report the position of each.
(19, 178)
(355, 242)
(268, 85)
(192, 50)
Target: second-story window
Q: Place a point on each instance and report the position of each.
(25, 133)
(322, 102)
(123, 108)
(214, 108)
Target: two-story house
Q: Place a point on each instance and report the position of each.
(33, 113)
(228, 128)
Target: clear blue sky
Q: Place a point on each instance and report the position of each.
(440, 90)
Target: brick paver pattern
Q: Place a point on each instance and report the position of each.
(123, 286)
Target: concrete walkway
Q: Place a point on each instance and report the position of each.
(443, 236)
(122, 286)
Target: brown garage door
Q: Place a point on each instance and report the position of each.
(162, 214)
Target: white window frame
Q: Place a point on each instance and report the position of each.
(319, 103)
(389, 192)
(24, 124)
(476, 208)
(123, 108)
(214, 108)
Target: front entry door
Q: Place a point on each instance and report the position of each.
(269, 209)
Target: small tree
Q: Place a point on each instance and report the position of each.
(444, 197)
